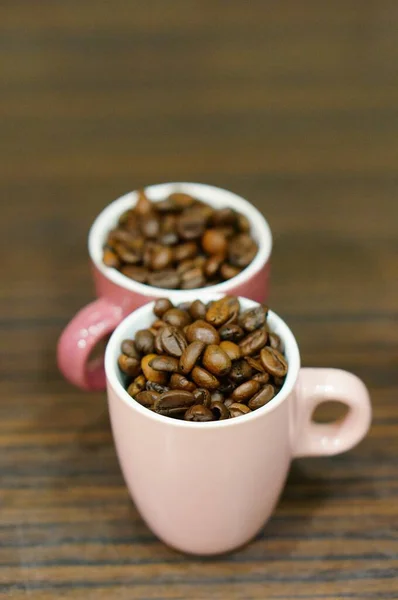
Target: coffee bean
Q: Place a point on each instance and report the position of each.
(238, 410)
(167, 279)
(217, 397)
(218, 313)
(228, 402)
(156, 387)
(139, 274)
(240, 371)
(255, 364)
(213, 265)
(203, 378)
(262, 397)
(220, 411)
(185, 251)
(231, 332)
(202, 396)
(147, 398)
(161, 257)
(274, 362)
(144, 341)
(137, 386)
(197, 310)
(191, 224)
(202, 331)
(253, 342)
(150, 373)
(165, 363)
(243, 223)
(143, 205)
(168, 230)
(150, 225)
(177, 317)
(190, 356)
(111, 259)
(173, 340)
(223, 216)
(129, 366)
(226, 386)
(214, 242)
(173, 402)
(228, 271)
(262, 378)
(216, 360)
(275, 341)
(279, 381)
(192, 279)
(245, 391)
(199, 413)
(161, 306)
(252, 319)
(231, 349)
(129, 348)
(241, 250)
(175, 203)
(179, 382)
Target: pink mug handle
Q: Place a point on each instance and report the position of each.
(91, 324)
(320, 385)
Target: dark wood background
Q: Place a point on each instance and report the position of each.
(294, 106)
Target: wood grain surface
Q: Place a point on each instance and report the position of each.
(294, 106)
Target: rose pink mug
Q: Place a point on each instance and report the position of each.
(207, 488)
(118, 295)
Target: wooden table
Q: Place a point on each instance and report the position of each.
(294, 106)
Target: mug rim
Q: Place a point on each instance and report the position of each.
(113, 350)
(205, 192)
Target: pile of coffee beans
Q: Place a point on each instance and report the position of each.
(179, 243)
(203, 362)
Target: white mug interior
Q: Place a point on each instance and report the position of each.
(216, 197)
(143, 317)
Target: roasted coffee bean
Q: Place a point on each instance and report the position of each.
(192, 279)
(191, 224)
(219, 312)
(253, 342)
(228, 271)
(217, 397)
(219, 410)
(241, 250)
(274, 362)
(245, 391)
(185, 251)
(243, 223)
(150, 225)
(255, 364)
(185, 306)
(231, 332)
(228, 402)
(129, 366)
(167, 279)
(241, 371)
(165, 363)
(262, 378)
(147, 398)
(173, 340)
(252, 319)
(139, 274)
(279, 381)
(174, 402)
(161, 306)
(161, 257)
(158, 346)
(275, 341)
(126, 238)
(231, 349)
(202, 396)
(203, 378)
(214, 242)
(128, 255)
(126, 216)
(226, 386)
(197, 310)
(177, 317)
(202, 331)
(143, 205)
(144, 341)
(238, 410)
(262, 397)
(129, 348)
(190, 356)
(111, 259)
(137, 386)
(216, 360)
(223, 216)
(199, 413)
(179, 382)
(152, 374)
(168, 235)
(176, 202)
(213, 265)
(156, 387)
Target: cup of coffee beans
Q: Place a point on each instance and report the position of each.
(175, 236)
(208, 406)
(203, 362)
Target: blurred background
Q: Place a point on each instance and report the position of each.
(293, 105)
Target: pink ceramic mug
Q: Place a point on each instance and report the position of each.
(206, 488)
(118, 295)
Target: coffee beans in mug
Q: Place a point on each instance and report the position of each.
(179, 243)
(203, 363)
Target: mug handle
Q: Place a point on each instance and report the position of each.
(320, 385)
(91, 324)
